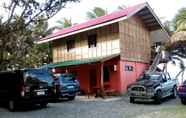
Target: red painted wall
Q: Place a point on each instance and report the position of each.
(114, 83)
(119, 78)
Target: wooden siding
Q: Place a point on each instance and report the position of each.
(134, 40)
(107, 44)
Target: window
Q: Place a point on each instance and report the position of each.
(92, 40)
(70, 44)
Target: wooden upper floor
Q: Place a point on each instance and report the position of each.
(100, 42)
(129, 38)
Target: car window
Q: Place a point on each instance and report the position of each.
(67, 77)
(40, 74)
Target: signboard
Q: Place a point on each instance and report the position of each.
(129, 68)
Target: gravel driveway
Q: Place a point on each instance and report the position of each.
(92, 108)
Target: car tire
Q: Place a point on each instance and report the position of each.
(183, 101)
(158, 97)
(132, 100)
(43, 105)
(174, 92)
(71, 97)
(11, 105)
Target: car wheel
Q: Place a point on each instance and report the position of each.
(43, 105)
(174, 92)
(11, 105)
(183, 101)
(158, 97)
(71, 97)
(132, 100)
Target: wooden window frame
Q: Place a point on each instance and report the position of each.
(70, 43)
(92, 40)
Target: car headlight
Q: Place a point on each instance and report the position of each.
(150, 90)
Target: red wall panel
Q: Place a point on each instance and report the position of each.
(127, 77)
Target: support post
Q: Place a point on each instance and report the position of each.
(102, 80)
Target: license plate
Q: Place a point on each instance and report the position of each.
(139, 93)
(40, 93)
(70, 87)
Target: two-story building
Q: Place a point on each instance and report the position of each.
(108, 52)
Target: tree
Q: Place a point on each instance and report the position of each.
(177, 51)
(180, 20)
(96, 12)
(177, 48)
(169, 27)
(64, 23)
(21, 26)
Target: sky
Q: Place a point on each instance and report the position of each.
(165, 9)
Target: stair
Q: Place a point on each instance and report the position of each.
(155, 62)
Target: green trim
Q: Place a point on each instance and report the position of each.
(78, 62)
(72, 63)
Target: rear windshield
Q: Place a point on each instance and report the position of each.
(41, 74)
(67, 77)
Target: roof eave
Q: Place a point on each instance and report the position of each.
(158, 20)
(82, 30)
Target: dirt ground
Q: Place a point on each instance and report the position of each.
(117, 107)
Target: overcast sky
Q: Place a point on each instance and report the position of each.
(165, 9)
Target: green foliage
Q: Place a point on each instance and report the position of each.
(169, 27)
(177, 48)
(19, 45)
(64, 23)
(38, 55)
(178, 24)
(25, 23)
(96, 12)
(180, 20)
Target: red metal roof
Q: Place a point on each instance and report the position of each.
(96, 21)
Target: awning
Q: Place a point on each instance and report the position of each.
(79, 62)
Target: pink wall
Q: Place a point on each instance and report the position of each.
(128, 77)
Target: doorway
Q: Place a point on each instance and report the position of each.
(106, 74)
(93, 79)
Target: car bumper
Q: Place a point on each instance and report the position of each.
(34, 100)
(142, 95)
(68, 94)
(182, 94)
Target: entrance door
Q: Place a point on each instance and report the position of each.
(106, 75)
(93, 79)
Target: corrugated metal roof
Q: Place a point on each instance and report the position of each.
(103, 19)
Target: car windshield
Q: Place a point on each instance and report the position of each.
(41, 74)
(149, 77)
(154, 77)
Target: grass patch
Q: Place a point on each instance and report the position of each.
(176, 112)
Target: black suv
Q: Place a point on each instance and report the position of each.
(28, 86)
